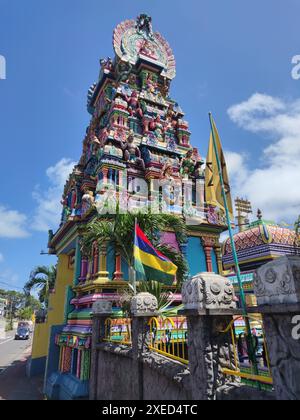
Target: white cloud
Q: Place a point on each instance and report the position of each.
(270, 181)
(48, 211)
(13, 224)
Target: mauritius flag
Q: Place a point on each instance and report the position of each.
(149, 263)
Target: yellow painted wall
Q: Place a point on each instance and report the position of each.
(56, 308)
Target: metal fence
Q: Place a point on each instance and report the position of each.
(118, 330)
(168, 336)
(261, 375)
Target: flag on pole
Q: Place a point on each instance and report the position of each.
(149, 263)
(213, 187)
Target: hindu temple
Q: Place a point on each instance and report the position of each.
(137, 132)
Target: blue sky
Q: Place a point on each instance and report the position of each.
(233, 58)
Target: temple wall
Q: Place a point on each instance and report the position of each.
(156, 377)
(56, 316)
(115, 377)
(214, 261)
(196, 256)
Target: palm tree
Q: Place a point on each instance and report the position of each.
(118, 230)
(164, 299)
(42, 279)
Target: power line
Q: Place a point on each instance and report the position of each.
(9, 285)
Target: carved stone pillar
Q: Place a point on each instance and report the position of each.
(102, 310)
(209, 305)
(277, 288)
(143, 307)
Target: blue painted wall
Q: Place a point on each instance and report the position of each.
(214, 261)
(124, 266)
(196, 256)
(53, 353)
(111, 261)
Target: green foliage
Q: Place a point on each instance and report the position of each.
(178, 260)
(297, 226)
(19, 304)
(118, 230)
(42, 279)
(164, 298)
(26, 313)
(156, 289)
(15, 301)
(9, 326)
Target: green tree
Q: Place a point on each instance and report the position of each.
(118, 230)
(42, 279)
(26, 313)
(15, 301)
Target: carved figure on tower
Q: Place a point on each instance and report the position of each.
(187, 165)
(87, 201)
(106, 64)
(144, 26)
(132, 153)
(151, 85)
(134, 107)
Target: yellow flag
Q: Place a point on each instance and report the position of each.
(213, 190)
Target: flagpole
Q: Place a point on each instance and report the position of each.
(234, 253)
(133, 272)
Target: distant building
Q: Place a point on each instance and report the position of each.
(3, 305)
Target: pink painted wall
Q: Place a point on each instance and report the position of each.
(169, 238)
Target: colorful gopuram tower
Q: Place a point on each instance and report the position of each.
(137, 135)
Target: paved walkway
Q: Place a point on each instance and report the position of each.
(14, 384)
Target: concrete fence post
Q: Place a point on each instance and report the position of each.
(277, 288)
(209, 305)
(143, 307)
(102, 309)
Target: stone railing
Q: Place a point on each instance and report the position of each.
(277, 288)
(138, 372)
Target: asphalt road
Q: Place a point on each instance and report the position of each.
(14, 384)
(11, 350)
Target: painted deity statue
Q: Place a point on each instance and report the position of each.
(106, 63)
(134, 107)
(87, 201)
(66, 212)
(131, 152)
(187, 165)
(151, 85)
(157, 128)
(148, 49)
(144, 26)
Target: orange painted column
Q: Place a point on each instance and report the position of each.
(118, 275)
